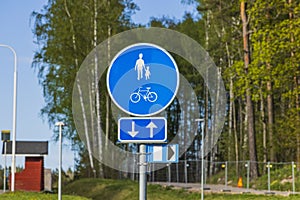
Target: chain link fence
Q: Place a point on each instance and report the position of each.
(273, 176)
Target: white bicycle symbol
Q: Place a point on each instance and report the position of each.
(145, 93)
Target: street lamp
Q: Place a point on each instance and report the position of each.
(201, 121)
(60, 125)
(13, 160)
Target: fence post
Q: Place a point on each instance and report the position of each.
(185, 171)
(248, 174)
(269, 179)
(177, 175)
(293, 176)
(226, 174)
(169, 173)
(205, 171)
(153, 172)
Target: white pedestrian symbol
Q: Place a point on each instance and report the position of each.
(147, 73)
(140, 67)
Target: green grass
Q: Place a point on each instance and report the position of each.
(99, 189)
(280, 179)
(106, 189)
(276, 179)
(36, 196)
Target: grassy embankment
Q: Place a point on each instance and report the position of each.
(37, 196)
(99, 189)
(128, 190)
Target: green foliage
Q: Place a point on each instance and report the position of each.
(64, 33)
(280, 179)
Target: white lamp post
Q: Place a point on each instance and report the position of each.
(60, 125)
(202, 157)
(5, 136)
(13, 160)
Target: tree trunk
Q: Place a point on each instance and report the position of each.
(98, 110)
(270, 117)
(78, 85)
(232, 122)
(270, 102)
(264, 127)
(108, 102)
(296, 86)
(250, 115)
(206, 96)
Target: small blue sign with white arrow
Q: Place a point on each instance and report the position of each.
(166, 153)
(142, 130)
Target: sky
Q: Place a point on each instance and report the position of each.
(16, 31)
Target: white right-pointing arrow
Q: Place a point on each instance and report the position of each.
(133, 133)
(151, 126)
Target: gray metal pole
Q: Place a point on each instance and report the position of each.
(269, 179)
(13, 160)
(293, 176)
(59, 124)
(205, 171)
(185, 171)
(143, 178)
(226, 175)
(248, 174)
(153, 172)
(202, 157)
(177, 175)
(4, 170)
(60, 160)
(169, 173)
(202, 165)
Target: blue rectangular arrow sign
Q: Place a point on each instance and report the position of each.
(142, 130)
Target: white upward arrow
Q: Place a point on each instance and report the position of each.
(151, 126)
(133, 133)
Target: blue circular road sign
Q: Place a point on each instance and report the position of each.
(143, 79)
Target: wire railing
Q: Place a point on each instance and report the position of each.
(278, 176)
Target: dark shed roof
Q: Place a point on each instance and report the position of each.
(27, 148)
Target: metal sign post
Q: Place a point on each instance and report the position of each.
(137, 84)
(143, 169)
(5, 134)
(60, 125)
(202, 156)
(4, 171)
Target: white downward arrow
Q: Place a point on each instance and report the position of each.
(151, 126)
(133, 133)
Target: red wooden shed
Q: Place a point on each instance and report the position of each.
(32, 177)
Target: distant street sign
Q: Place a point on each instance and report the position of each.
(143, 79)
(142, 130)
(163, 153)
